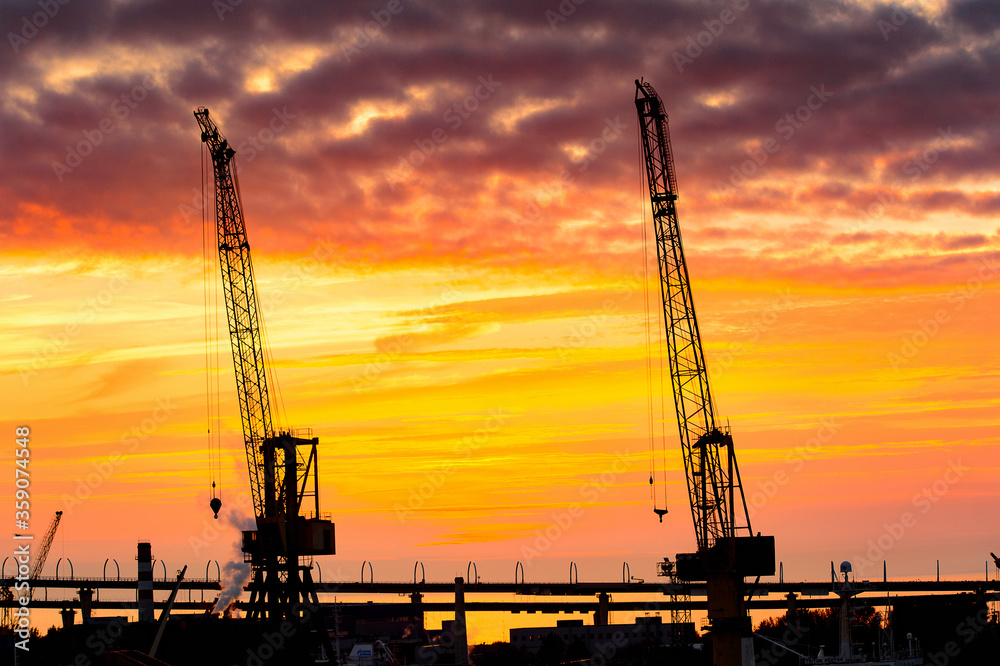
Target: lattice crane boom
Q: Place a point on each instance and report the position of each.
(243, 314)
(710, 482)
(43, 551)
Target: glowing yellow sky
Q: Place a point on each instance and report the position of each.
(460, 319)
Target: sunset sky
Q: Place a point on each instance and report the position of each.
(445, 210)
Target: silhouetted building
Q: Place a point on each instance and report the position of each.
(603, 638)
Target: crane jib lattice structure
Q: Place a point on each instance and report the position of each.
(7, 593)
(283, 468)
(724, 557)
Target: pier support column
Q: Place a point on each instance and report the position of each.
(461, 638)
(86, 603)
(603, 606)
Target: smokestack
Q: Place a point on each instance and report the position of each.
(461, 641)
(145, 585)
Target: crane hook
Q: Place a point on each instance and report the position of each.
(216, 503)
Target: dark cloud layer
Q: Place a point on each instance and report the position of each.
(877, 91)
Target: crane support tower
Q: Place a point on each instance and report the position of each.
(718, 506)
(283, 467)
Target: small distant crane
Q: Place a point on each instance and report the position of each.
(7, 594)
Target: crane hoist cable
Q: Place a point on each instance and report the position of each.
(660, 323)
(649, 377)
(663, 412)
(210, 282)
(650, 408)
(217, 338)
(206, 326)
